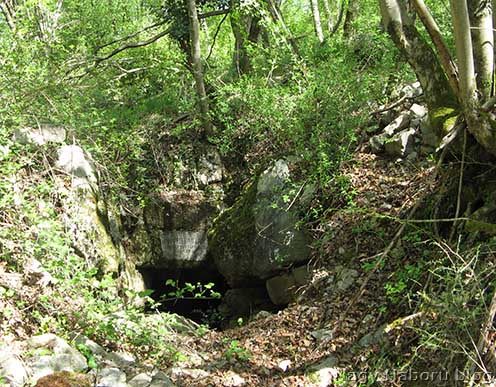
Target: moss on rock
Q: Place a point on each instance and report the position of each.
(443, 119)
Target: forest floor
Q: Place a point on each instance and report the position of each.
(325, 332)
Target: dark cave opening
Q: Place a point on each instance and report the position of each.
(192, 293)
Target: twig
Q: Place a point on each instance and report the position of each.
(460, 187)
(214, 13)
(296, 197)
(392, 106)
(132, 35)
(215, 37)
(133, 45)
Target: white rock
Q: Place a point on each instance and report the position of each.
(284, 365)
(399, 123)
(111, 377)
(418, 110)
(401, 144)
(232, 379)
(12, 370)
(140, 380)
(41, 135)
(73, 160)
(210, 168)
(195, 373)
(325, 372)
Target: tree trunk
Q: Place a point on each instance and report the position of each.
(246, 30)
(194, 30)
(7, 7)
(316, 20)
(483, 41)
(477, 124)
(327, 10)
(437, 38)
(418, 53)
(288, 36)
(349, 29)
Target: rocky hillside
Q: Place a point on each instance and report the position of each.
(299, 302)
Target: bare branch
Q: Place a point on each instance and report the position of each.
(133, 45)
(214, 13)
(133, 35)
(215, 37)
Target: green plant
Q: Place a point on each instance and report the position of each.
(189, 290)
(236, 352)
(402, 281)
(92, 363)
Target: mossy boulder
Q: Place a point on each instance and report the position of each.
(260, 234)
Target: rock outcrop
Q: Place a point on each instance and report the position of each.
(259, 235)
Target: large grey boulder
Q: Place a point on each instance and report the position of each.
(259, 235)
(73, 160)
(84, 212)
(244, 302)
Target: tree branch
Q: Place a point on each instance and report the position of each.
(133, 45)
(214, 13)
(215, 37)
(132, 35)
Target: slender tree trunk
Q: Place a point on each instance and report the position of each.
(194, 30)
(246, 30)
(316, 20)
(478, 124)
(349, 29)
(437, 38)
(288, 36)
(483, 41)
(464, 51)
(327, 10)
(418, 53)
(7, 7)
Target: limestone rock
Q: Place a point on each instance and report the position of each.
(411, 91)
(111, 377)
(61, 356)
(41, 135)
(258, 235)
(345, 278)
(173, 232)
(12, 370)
(73, 160)
(401, 144)
(210, 169)
(325, 372)
(282, 289)
(374, 338)
(140, 380)
(244, 301)
(378, 142)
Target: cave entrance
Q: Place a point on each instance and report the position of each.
(192, 293)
